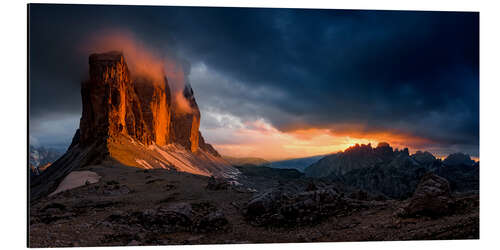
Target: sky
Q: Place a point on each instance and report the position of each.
(279, 83)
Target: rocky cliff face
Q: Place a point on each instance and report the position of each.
(134, 119)
(115, 103)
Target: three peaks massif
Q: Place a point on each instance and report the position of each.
(133, 120)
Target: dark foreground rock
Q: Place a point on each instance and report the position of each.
(176, 217)
(432, 198)
(218, 184)
(277, 207)
(123, 209)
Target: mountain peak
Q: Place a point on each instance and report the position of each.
(383, 145)
(110, 56)
(458, 159)
(132, 120)
(117, 103)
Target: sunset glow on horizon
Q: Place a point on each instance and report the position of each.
(262, 140)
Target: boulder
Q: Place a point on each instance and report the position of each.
(432, 198)
(213, 221)
(175, 217)
(277, 208)
(263, 203)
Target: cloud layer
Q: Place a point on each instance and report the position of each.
(360, 74)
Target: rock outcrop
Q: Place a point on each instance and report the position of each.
(394, 173)
(458, 159)
(425, 157)
(217, 184)
(431, 198)
(176, 217)
(115, 102)
(135, 119)
(463, 176)
(276, 207)
(355, 157)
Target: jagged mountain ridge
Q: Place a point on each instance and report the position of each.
(394, 173)
(246, 161)
(137, 107)
(356, 157)
(134, 120)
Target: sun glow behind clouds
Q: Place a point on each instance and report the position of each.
(259, 138)
(232, 136)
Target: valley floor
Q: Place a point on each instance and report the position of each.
(126, 208)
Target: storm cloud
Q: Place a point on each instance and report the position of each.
(402, 72)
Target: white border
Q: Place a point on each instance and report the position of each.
(14, 128)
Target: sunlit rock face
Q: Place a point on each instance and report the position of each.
(148, 112)
(103, 97)
(141, 122)
(133, 118)
(116, 102)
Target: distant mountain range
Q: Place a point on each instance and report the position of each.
(379, 170)
(394, 173)
(246, 161)
(40, 158)
(299, 164)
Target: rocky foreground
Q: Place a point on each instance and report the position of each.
(130, 206)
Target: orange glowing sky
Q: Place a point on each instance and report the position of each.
(260, 139)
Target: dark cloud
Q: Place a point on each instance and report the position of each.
(415, 73)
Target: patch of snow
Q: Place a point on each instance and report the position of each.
(76, 179)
